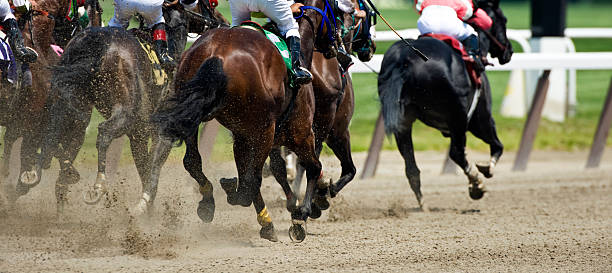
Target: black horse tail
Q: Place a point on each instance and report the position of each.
(390, 84)
(196, 101)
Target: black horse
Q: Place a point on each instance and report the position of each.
(440, 94)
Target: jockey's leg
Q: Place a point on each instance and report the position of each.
(344, 58)
(151, 12)
(280, 13)
(160, 44)
(21, 52)
(472, 46)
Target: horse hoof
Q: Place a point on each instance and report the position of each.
(29, 178)
(297, 231)
(140, 209)
(321, 202)
(206, 209)
(485, 169)
(229, 185)
(477, 193)
(93, 196)
(268, 233)
(70, 175)
(315, 212)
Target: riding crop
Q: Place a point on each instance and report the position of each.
(416, 50)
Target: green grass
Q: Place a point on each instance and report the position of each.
(576, 133)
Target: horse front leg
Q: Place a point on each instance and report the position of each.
(108, 130)
(279, 170)
(263, 218)
(192, 161)
(457, 154)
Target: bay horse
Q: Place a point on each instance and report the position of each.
(440, 94)
(237, 76)
(26, 116)
(334, 101)
(105, 68)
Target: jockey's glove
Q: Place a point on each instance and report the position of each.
(22, 6)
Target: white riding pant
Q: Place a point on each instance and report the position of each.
(443, 20)
(279, 11)
(5, 11)
(346, 6)
(150, 10)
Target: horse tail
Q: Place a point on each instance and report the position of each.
(194, 102)
(390, 84)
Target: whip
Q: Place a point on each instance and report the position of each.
(416, 50)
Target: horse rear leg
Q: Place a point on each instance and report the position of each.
(139, 141)
(250, 153)
(192, 161)
(157, 157)
(406, 149)
(10, 136)
(71, 145)
(108, 130)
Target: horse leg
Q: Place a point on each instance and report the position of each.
(71, 145)
(10, 136)
(457, 154)
(140, 152)
(341, 146)
(482, 126)
(278, 169)
(108, 130)
(406, 149)
(250, 155)
(193, 164)
(263, 218)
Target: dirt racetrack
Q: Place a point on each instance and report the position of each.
(556, 216)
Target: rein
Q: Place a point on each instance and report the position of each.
(325, 15)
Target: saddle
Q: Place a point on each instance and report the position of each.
(160, 76)
(457, 46)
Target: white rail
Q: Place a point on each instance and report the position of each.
(579, 61)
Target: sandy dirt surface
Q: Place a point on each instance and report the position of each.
(556, 216)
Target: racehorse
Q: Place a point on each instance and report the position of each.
(109, 69)
(26, 114)
(440, 94)
(244, 85)
(334, 101)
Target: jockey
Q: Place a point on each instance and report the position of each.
(448, 17)
(151, 12)
(280, 12)
(9, 23)
(347, 7)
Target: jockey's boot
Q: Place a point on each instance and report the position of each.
(21, 52)
(302, 75)
(160, 45)
(343, 57)
(472, 47)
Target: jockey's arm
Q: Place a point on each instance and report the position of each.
(481, 19)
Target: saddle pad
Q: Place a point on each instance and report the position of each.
(278, 42)
(159, 75)
(458, 47)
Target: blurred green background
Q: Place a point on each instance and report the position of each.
(574, 134)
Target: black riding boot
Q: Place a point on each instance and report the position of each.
(21, 52)
(160, 45)
(302, 74)
(343, 57)
(472, 47)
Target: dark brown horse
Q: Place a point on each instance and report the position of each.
(238, 77)
(334, 100)
(26, 115)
